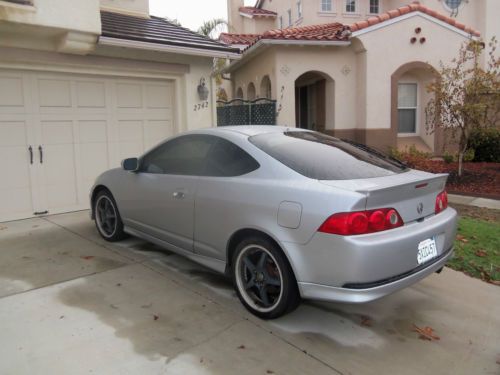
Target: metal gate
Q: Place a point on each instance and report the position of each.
(260, 111)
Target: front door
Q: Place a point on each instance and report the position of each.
(160, 196)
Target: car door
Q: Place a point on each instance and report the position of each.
(162, 202)
(223, 197)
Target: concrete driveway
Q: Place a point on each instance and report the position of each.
(71, 303)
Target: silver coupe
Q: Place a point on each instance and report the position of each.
(287, 213)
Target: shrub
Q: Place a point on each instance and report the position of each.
(448, 158)
(486, 145)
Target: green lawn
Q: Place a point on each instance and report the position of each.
(477, 249)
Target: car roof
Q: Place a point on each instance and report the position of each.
(251, 130)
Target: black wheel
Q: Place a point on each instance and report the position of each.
(107, 218)
(263, 279)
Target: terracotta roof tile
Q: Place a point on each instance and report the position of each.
(326, 32)
(413, 7)
(257, 12)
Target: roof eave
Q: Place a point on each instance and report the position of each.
(169, 48)
(262, 44)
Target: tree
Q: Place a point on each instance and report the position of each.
(466, 95)
(213, 28)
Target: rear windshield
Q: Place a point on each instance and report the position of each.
(322, 157)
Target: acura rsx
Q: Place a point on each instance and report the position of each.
(287, 213)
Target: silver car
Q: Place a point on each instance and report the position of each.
(288, 213)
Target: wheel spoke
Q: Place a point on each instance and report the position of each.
(273, 281)
(262, 261)
(250, 283)
(249, 264)
(263, 295)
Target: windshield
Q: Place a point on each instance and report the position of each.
(319, 156)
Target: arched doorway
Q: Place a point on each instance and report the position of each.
(265, 88)
(251, 91)
(239, 93)
(314, 101)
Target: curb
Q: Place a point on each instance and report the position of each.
(474, 201)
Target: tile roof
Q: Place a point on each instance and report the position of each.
(156, 30)
(257, 12)
(326, 32)
(413, 7)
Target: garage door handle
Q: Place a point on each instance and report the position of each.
(30, 149)
(40, 150)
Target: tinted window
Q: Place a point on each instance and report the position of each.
(226, 159)
(322, 157)
(184, 156)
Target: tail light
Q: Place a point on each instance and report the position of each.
(361, 222)
(441, 202)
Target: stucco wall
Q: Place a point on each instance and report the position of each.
(385, 54)
(137, 7)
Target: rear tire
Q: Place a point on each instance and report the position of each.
(263, 279)
(107, 217)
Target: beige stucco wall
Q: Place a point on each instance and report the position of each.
(135, 7)
(385, 54)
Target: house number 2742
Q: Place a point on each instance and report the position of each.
(200, 106)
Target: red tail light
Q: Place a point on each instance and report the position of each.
(441, 202)
(361, 222)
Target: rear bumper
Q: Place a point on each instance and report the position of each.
(356, 294)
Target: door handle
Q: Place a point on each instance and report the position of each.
(40, 151)
(30, 149)
(178, 195)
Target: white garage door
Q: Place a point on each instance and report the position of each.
(59, 131)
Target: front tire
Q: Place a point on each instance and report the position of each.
(263, 279)
(107, 217)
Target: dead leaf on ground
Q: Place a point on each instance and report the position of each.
(480, 253)
(87, 257)
(241, 347)
(366, 321)
(425, 333)
(147, 306)
(156, 317)
(269, 372)
(2, 227)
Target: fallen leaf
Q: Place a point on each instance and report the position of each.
(480, 253)
(366, 321)
(156, 317)
(147, 306)
(119, 284)
(201, 360)
(113, 306)
(87, 257)
(460, 237)
(241, 347)
(2, 228)
(61, 317)
(426, 333)
(269, 372)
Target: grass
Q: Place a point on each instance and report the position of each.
(477, 249)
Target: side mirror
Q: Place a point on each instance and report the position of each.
(130, 164)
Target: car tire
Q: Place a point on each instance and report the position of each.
(107, 217)
(258, 266)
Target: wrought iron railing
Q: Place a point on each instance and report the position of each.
(261, 111)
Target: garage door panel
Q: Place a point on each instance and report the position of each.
(11, 92)
(94, 160)
(91, 94)
(128, 95)
(54, 93)
(159, 96)
(92, 131)
(15, 167)
(57, 132)
(156, 131)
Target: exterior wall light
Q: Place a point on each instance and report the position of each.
(202, 90)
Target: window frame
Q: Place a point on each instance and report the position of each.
(323, 10)
(299, 9)
(370, 7)
(416, 108)
(348, 3)
(290, 23)
(280, 21)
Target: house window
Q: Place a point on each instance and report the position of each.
(407, 108)
(374, 6)
(289, 17)
(453, 4)
(299, 9)
(350, 6)
(326, 5)
(281, 22)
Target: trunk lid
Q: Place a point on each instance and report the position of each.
(412, 194)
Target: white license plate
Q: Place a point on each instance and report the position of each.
(426, 250)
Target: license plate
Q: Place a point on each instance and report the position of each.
(427, 250)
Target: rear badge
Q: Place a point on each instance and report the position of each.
(420, 208)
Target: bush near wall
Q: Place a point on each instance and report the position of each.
(486, 145)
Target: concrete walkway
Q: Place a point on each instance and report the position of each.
(474, 201)
(72, 304)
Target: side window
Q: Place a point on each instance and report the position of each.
(183, 156)
(228, 160)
